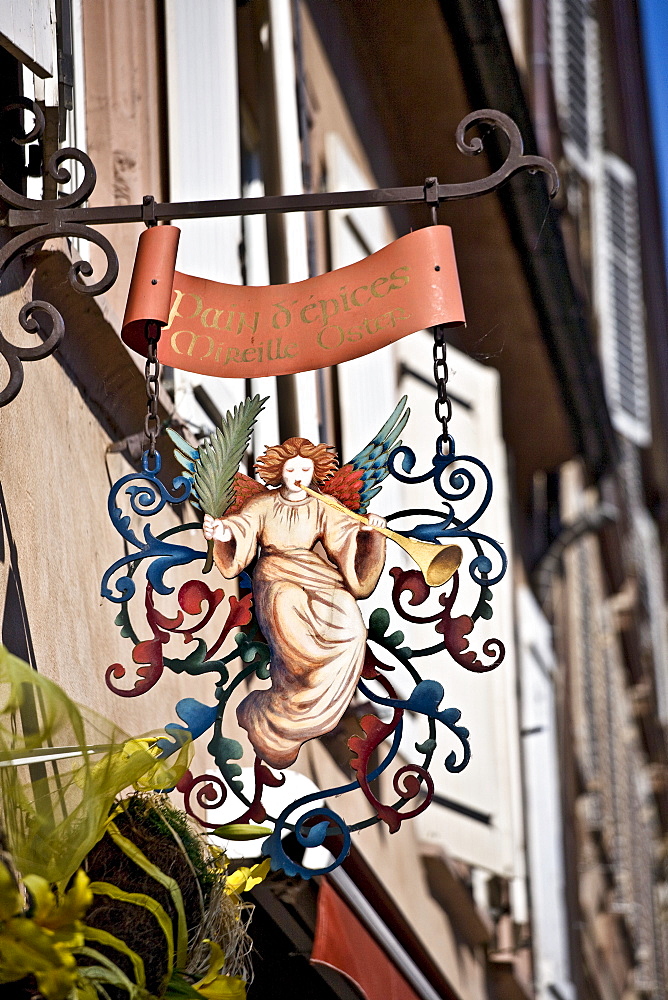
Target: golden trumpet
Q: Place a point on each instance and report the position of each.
(437, 562)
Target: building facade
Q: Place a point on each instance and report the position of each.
(539, 870)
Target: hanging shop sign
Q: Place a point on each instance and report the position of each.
(250, 331)
(287, 615)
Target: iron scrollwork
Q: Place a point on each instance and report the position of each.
(515, 161)
(34, 236)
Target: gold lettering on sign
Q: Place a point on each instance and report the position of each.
(243, 322)
(377, 284)
(327, 331)
(272, 350)
(237, 331)
(332, 336)
(204, 318)
(175, 313)
(304, 313)
(399, 280)
(282, 317)
(325, 309)
(354, 299)
(194, 337)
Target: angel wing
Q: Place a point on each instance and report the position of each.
(356, 483)
(218, 486)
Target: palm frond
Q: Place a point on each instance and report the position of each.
(220, 456)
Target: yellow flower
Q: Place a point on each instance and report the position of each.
(245, 878)
(217, 986)
(219, 856)
(224, 988)
(67, 911)
(42, 943)
(11, 901)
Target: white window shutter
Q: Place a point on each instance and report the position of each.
(571, 69)
(27, 31)
(490, 835)
(203, 136)
(544, 817)
(620, 303)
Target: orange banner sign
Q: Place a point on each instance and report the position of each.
(244, 331)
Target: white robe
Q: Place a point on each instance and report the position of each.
(307, 610)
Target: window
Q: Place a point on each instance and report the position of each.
(576, 72)
(620, 303)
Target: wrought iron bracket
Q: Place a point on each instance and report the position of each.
(32, 221)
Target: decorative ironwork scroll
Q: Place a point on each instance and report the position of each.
(54, 226)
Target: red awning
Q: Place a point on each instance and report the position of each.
(343, 943)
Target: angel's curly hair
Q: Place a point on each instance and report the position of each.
(270, 465)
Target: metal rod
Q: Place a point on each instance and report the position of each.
(66, 211)
(166, 211)
(316, 202)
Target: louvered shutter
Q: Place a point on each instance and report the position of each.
(641, 916)
(478, 816)
(575, 71)
(620, 303)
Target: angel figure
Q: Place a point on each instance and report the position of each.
(314, 563)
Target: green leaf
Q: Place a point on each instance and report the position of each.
(179, 988)
(223, 749)
(241, 831)
(426, 747)
(483, 608)
(220, 457)
(379, 622)
(106, 971)
(122, 620)
(196, 663)
(257, 653)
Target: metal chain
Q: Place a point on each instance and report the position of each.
(152, 375)
(443, 406)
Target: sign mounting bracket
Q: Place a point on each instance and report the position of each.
(32, 221)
